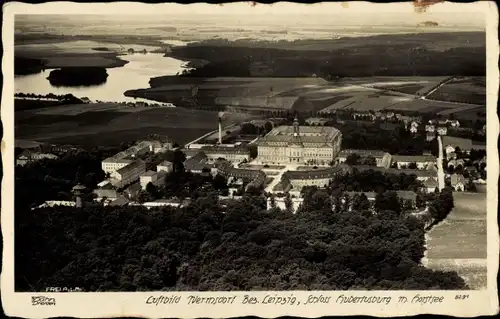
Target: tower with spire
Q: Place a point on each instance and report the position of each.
(296, 132)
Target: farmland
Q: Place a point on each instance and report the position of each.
(470, 90)
(459, 242)
(363, 94)
(90, 125)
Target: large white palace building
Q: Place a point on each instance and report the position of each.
(307, 145)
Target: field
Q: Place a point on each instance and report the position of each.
(361, 94)
(470, 90)
(77, 53)
(459, 242)
(110, 124)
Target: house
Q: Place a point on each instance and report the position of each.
(453, 123)
(452, 162)
(413, 127)
(155, 178)
(449, 149)
(165, 166)
(105, 191)
(421, 161)
(27, 157)
(128, 174)
(121, 201)
(458, 182)
(451, 156)
(232, 154)
(377, 154)
(133, 190)
(430, 185)
(432, 167)
(460, 162)
(442, 130)
(430, 128)
(316, 121)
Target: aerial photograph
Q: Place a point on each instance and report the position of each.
(250, 151)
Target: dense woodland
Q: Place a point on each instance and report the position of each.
(406, 58)
(208, 246)
(25, 66)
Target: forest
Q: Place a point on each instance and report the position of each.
(335, 59)
(78, 76)
(237, 246)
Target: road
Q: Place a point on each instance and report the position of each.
(440, 165)
(424, 97)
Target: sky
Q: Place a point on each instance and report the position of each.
(284, 13)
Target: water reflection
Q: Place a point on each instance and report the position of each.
(133, 75)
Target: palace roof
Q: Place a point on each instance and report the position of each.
(307, 135)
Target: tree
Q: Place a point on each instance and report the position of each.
(253, 150)
(272, 201)
(268, 126)
(219, 182)
(369, 160)
(360, 202)
(152, 191)
(288, 203)
(353, 159)
(412, 165)
(387, 201)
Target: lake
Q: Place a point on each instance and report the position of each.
(133, 75)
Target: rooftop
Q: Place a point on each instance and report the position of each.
(165, 163)
(456, 179)
(431, 182)
(225, 150)
(413, 158)
(149, 173)
(374, 153)
(307, 134)
(313, 174)
(135, 164)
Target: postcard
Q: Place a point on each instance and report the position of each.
(246, 159)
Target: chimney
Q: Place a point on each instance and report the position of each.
(220, 130)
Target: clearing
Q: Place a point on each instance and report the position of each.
(459, 242)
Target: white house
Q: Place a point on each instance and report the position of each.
(458, 182)
(453, 123)
(430, 128)
(155, 178)
(165, 166)
(449, 149)
(442, 130)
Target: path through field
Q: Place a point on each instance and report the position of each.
(459, 242)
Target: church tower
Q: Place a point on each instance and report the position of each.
(296, 132)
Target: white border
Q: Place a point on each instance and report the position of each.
(134, 304)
